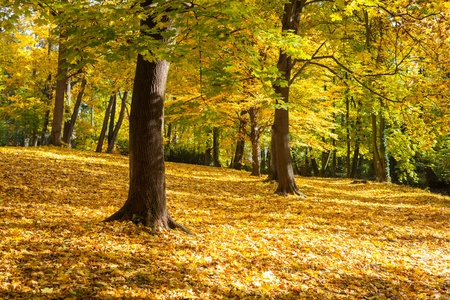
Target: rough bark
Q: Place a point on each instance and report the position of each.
(105, 123)
(115, 132)
(146, 201)
(254, 137)
(71, 123)
(58, 111)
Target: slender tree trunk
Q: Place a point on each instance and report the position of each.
(105, 124)
(383, 152)
(71, 124)
(45, 127)
(357, 137)
(380, 174)
(254, 137)
(216, 147)
(58, 111)
(112, 116)
(347, 122)
(113, 137)
(146, 201)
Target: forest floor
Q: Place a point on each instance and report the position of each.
(345, 241)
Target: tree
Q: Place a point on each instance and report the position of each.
(113, 137)
(71, 123)
(146, 201)
(285, 172)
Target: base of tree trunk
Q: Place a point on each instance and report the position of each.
(292, 190)
(164, 222)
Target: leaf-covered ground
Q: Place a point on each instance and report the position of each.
(346, 241)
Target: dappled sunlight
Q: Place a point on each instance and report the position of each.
(345, 240)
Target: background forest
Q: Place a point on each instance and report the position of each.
(368, 88)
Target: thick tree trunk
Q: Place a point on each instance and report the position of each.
(71, 124)
(272, 169)
(240, 144)
(58, 111)
(254, 137)
(113, 137)
(315, 167)
(105, 124)
(216, 147)
(146, 201)
(35, 138)
(285, 172)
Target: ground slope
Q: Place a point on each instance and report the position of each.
(349, 241)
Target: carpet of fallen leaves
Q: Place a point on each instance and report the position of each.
(346, 241)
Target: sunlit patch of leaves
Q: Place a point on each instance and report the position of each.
(348, 241)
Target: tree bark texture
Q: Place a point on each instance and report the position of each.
(71, 124)
(105, 123)
(115, 132)
(146, 201)
(254, 137)
(58, 111)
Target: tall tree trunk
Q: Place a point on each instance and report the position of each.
(112, 116)
(216, 147)
(357, 141)
(146, 201)
(285, 172)
(254, 137)
(347, 123)
(58, 111)
(272, 169)
(105, 123)
(380, 173)
(112, 139)
(67, 111)
(240, 144)
(71, 123)
(383, 148)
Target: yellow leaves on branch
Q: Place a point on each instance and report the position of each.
(346, 241)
